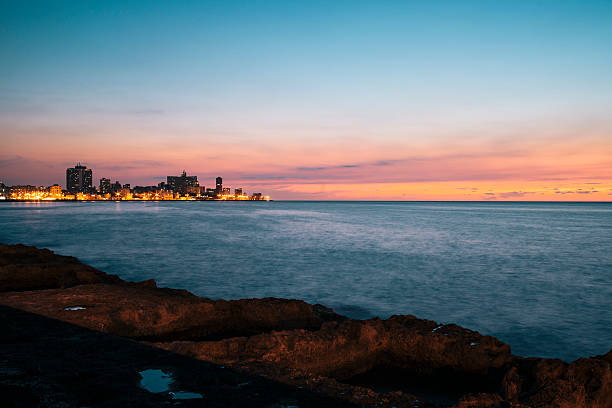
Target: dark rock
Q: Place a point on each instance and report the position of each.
(343, 350)
(586, 382)
(607, 357)
(149, 283)
(28, 268)
(511, 384)
(402, 361)
(47, 363)
(148, 313)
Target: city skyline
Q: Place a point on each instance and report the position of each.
(343, 101)
(72, 178)
(80, 185)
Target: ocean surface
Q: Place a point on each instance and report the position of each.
(536, 275)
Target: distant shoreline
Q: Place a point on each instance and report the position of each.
(117, 201)
(316, 201)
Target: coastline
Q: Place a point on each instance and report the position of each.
(328, 201)
(324, 359)
(11, 200)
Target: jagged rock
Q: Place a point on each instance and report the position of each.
(481, 400)
(28, 268)
(47, 363)
(586, 382)
(145, 312)
(511, 384)
(343, 350)
(402, 361)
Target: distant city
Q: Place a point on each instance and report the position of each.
(79, 186)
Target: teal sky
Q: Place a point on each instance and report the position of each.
(261, 89)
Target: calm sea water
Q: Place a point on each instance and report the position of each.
(536, 275)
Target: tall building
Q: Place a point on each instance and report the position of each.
(219, 188)
(4, 191)
(181, 184)
(105, 186)
(238, 192)
(78, 179)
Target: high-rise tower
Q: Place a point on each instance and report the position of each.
(105, 186)
(219, 187)
(78, 179)
(182, 184)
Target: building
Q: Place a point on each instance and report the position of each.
(55, 191)
(27, 189)
(238, 192)
(145, 190)
(105, 186)
(197, 191)
(219, 186)
(181, 184)
(78, 179)
(125, 194)
(28, 192)
(4, 191)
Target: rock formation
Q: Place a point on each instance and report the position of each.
(400, 361)
(28, 268)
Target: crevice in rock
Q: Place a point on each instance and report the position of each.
(443, 386)
(197, 335)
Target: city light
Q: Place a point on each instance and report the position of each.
(79, 188)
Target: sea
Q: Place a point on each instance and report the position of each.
(538, 276)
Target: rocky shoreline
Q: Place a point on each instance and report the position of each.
(76, 336)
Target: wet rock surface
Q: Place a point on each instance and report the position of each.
(297, 354)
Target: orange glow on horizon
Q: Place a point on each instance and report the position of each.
(458, 191)
(554, 165)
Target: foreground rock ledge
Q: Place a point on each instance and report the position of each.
(402, 361)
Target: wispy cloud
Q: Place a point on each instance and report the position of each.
(578, 191)
(514, 194)
(20, 161)
(312, 168)
(131, 165)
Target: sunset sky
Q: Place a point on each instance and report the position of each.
(357, 100)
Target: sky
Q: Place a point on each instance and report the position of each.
(313, 100)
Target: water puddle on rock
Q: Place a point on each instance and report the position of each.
(157, 381)
(185, 395)
(75, 308)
